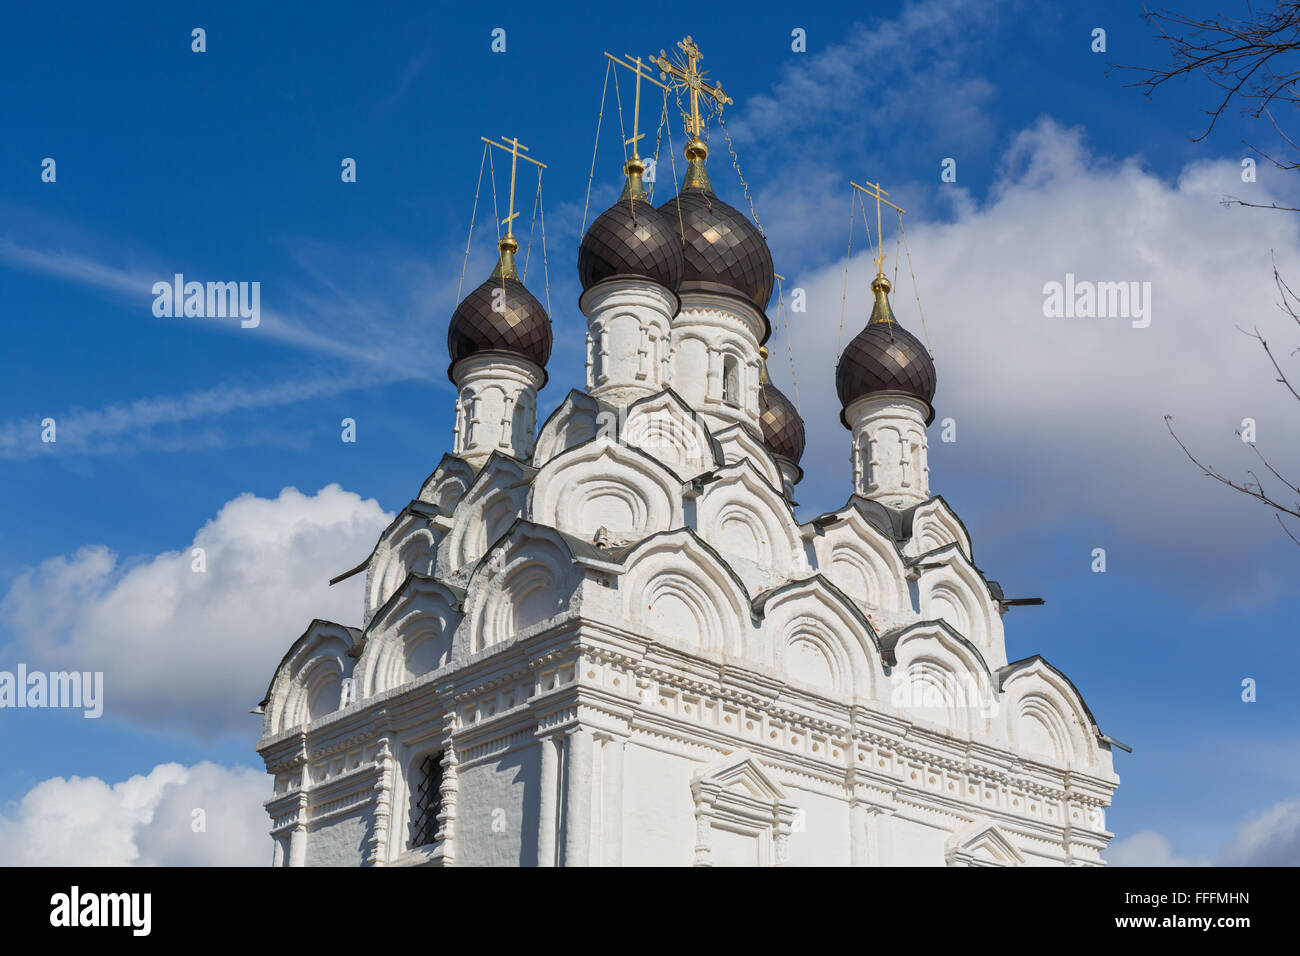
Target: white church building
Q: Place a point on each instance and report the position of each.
(608, 641)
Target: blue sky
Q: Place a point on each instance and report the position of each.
(225, 166)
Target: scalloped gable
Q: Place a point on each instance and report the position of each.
(314, 666)
(410, 636)
(409, 544)
(665, 427)
(497, 496)
(603, 484)
(577, 420)
(739, 513)
(526, 577)
(863, 562)
(1037, 664)
(816, 634)
(932, 525)
(683, 591)
(940, 677)
(739, 442)
(447, 483)
(951, 587)
(887, 521)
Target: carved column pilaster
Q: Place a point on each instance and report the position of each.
(448, 798)
(298, 835)
(781, 843)
(383, 803)
(703, 851)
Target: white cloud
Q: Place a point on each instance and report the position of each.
(197, 648)
(1147, 848)
(913, 65)
(147, 820)
(1270, 837)
(1062, 419)
(112, 428)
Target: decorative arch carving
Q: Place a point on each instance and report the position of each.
(308, 684)
(812, 633)
(602, 484)
(953, 590)
(668, 430)
(411, 636)
(490, 506)
(407, 546)
(941, 678)
(1046, 717)
(681, 590)
(579, 419)
(865, 564)
(739, 443)
(526, 578)
(740, 514)
(934, 525)
(447, 484)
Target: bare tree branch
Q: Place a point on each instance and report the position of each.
(1257, 492)
(1239, 56)
(1233, 201)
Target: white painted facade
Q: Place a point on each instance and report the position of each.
(627, 651)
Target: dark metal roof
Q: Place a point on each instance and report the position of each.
(783, 429)
(723, 251)
(885, 357)
(631, 238)
(521, 326)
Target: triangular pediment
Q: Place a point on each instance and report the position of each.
(981, 844)
(744, 777)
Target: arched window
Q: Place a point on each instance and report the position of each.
(426, 800)
(731, 380)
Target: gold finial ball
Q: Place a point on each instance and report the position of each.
(762, 352)
(880, 284)
(697, 149)
(508, 244)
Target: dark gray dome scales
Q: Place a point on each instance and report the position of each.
(631, 238)
(783, 429)
(885, 357)
(501, 316)
(723, 250)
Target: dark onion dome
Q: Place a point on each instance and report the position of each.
(631, 238)
(724, 251)
(885, 357)
(783, 430)
(520, 325)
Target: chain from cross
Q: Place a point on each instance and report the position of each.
(874, 190)
(634, 64)
(687, 71)
(516, 150)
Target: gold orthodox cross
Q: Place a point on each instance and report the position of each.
(634, 64)
(687, 71)
(514, 148)
(873, 189)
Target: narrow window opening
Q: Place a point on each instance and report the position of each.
(731, 380)
(426, 801)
